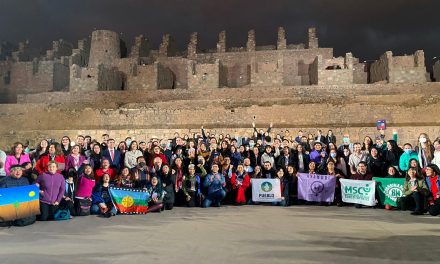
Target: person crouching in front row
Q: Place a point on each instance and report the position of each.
(414, 191)
(214, 182)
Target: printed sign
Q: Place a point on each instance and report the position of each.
(266, 190)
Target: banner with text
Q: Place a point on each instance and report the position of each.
(358, 192)
(316, 187)
(389, 190)
(266, 190)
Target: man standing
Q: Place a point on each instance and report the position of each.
(356, 157)
(113, 155)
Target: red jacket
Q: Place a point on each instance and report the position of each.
(241, 196)
(41, 165)
(244, 184)
(161, 156)
(99, 172)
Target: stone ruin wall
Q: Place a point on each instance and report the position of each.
(348, 108)
(400, 69)
(272, 83)
(250, 66)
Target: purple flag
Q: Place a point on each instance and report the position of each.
(316, 187)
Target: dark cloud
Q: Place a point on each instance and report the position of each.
(367, 28)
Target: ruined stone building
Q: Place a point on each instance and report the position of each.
(99, 64)
(145, 89)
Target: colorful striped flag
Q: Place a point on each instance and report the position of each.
(130, 201)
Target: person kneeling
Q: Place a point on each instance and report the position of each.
(214, 182)
(433, 183)
(414, 191)
(15, 179)
(240, 181)
(191, 186)
(101, 200)
(156, 195)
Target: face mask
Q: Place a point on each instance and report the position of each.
(333, 155)
(408, 151)
(128, 142)
(142, 164)
(422, 140)
(346, 140)
(251, 144)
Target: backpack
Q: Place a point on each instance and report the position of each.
(83, 207)
(62, 214)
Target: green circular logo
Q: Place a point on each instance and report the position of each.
(266, 186)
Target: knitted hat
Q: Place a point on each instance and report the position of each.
(15, 167)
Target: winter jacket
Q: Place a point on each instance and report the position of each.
(12, 160)
(421, 187)
(41, 165)
(53, 187)
(10, 181)
(84, 187)
(405, 158)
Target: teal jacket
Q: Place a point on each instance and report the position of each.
(405, 158)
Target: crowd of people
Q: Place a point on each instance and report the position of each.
(206, 169)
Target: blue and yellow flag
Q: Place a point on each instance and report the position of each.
(19, 202)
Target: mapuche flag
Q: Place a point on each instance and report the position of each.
(19, 202)
(130, 201)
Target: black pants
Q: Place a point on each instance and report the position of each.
(69, 205)
(47, 211)
(194, 201)
(415, 200)
(434, 209)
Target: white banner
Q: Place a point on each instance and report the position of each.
(358, 192)
(266, 190)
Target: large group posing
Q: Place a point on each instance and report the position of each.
(206, 169)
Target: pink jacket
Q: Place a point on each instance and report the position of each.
(85, 187)
(11, 160)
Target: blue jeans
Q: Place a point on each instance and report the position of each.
(95, 209)
(215, 197)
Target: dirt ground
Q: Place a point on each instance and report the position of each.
(248, 234)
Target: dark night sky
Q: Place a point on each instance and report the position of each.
(365, 27)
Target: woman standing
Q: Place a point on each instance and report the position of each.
(425, 150)
(40, 151)
(130, 159)
(17, 157)
(65, 145)
(95, 156)
(52, 187)
(75, 160)
(55, 154)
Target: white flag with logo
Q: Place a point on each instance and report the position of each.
(266, 190)
(358, 192)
